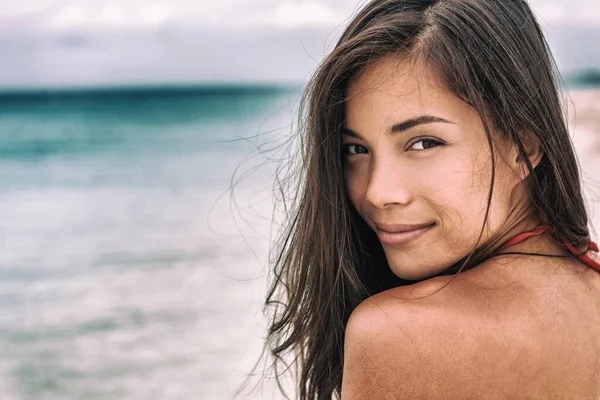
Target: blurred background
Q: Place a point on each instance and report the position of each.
(138, 145)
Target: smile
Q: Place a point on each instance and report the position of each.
(402, 237)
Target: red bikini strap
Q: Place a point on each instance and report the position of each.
(584, 257)
(572, 249)
(539, 230)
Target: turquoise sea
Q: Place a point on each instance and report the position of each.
(134, 228)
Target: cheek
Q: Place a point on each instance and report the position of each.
(353, 189)
(355, 182)
(460, 189)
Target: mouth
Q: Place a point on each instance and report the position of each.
(397, 235)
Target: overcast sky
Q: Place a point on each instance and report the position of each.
(65, 42)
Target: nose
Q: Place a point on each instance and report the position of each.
(388, 186)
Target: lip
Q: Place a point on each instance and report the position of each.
(401, 234)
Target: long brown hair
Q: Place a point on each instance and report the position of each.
(489, 53)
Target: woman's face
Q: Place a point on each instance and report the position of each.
(418, 168)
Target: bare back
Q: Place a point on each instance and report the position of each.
(549, 306)
(555, 308)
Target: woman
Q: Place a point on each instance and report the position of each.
(438, 243)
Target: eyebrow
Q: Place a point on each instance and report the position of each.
(405, 125)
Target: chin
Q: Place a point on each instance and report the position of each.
(412, 273)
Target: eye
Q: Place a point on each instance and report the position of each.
(425, 144)
(354, 149)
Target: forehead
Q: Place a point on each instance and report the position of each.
(395, 89)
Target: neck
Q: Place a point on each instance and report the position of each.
(521, 218)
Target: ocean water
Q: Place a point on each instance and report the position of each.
(134, 229)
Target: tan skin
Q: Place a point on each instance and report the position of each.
(514, 327)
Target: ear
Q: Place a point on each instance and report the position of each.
(532, 150)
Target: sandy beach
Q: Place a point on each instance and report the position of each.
(584, 123)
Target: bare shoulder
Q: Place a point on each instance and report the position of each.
(396, 347)
(422, 342)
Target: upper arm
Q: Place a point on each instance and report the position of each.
(407, 352)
